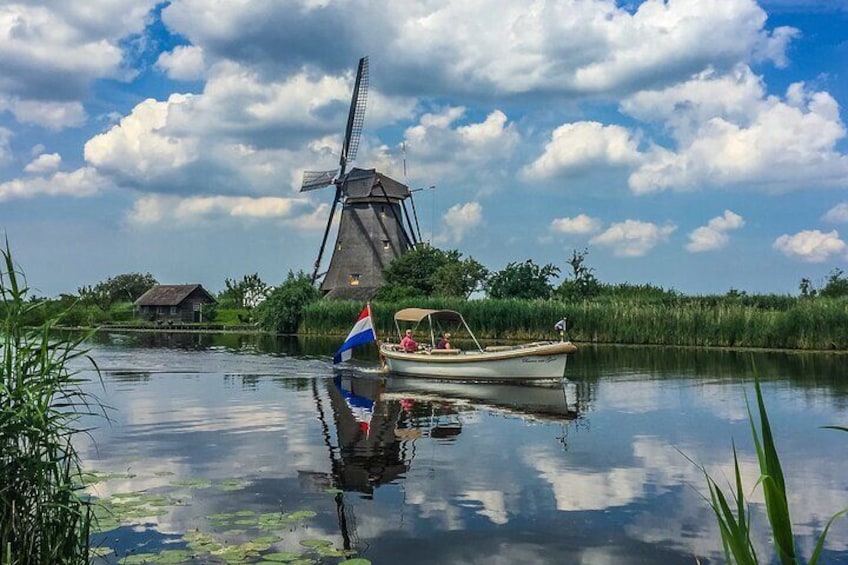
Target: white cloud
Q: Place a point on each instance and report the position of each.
(79, 183)
(165, 209)
(584, 144)
(633, 238)
(239, 135)
(729, 132)
(580, 224)
(139, 147)
(838, 214)
(51, 51)
(44, 163)
(185, 62)
(459, 219)
(446, 151)
(811, 246)
(52, 115)
(714, 235)
(507, 46)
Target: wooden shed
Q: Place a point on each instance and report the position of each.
(177, 302)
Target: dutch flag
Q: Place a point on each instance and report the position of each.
(362, 333)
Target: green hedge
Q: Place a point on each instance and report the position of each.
(787, 323)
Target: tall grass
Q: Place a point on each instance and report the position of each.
(42, 519)
(735, 523)
(762, 322)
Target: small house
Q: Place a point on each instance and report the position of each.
(174, 302)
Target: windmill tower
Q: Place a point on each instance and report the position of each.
(375, 227)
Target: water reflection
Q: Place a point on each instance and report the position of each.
(419, 471)
(378, 420)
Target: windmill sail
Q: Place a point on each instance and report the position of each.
(371, 230)
(317, 179)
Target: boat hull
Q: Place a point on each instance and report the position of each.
(519, 363)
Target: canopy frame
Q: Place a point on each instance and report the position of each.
(418, 315)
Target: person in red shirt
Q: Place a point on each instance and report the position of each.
(409, 345)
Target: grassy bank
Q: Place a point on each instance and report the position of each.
(760, 322)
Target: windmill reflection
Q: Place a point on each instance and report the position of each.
(370, 426)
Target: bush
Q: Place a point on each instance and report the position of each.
(282, 310)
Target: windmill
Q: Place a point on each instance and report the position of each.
(375, 227)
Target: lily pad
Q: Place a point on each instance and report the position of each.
(355, 561)
(316, 543)
(282, 557)
(192, 483)
(174, 557)
(139, 559)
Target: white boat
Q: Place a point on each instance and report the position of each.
(528, 361)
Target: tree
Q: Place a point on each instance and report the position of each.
(249, 292)
(281, 312)
(427, 271)
(414, 269)
(121, 288)
(836, 285)
(583, 284)
(807, 289)
(459, 277)
(522, 280)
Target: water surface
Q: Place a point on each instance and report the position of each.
(230, 431)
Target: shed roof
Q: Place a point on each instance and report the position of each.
(170, 294)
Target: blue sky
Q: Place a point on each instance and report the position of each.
(693, 144)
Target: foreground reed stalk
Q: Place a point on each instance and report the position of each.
(43, 520)
(735, 525)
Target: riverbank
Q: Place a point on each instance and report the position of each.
(819, 324)
(770, 323)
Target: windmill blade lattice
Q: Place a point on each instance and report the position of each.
(356, 117)
(313, 180)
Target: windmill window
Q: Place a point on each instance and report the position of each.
(383, 211)
(354, 279)
(386, 244)
(339, 246)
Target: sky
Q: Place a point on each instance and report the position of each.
(698, 145)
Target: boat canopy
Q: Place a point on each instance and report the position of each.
(415, 315)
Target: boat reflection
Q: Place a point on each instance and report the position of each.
(371, 424)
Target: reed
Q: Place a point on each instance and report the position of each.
(735, 525)
(43, 520)
(760, 322)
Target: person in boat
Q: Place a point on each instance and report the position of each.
(407, 343)
(444, 343)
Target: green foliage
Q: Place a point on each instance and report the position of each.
(735, 526)
(427, 270)
(42, 519)
(755, 321)
(209, 312)
(247, 293)
(807, 289)
(121, 312)
(121, 288)
(583, 284)
(282, 310)
(836, 286)
(525, 280)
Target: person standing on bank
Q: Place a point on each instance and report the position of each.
(409, 345)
